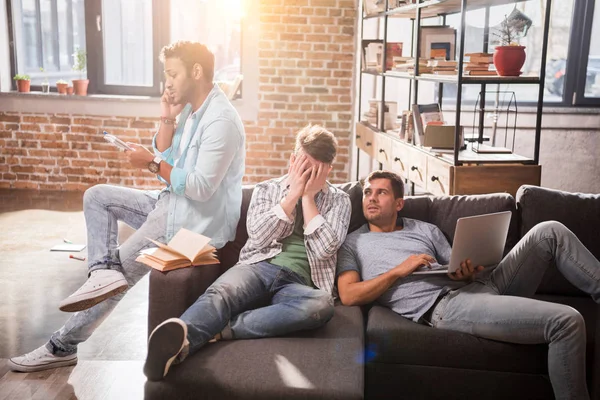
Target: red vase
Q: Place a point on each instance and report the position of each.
(509, 60)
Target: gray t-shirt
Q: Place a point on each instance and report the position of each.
(374, 253)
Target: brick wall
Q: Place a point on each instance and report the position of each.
(306, 60)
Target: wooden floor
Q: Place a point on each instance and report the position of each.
(33, 280)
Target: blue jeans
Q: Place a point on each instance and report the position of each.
(103, 206)
(254, 301)
(494, 309)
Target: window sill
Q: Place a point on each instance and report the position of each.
(97, 104)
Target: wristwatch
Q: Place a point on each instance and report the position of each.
(154, 165)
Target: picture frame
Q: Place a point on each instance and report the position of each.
(438, 41)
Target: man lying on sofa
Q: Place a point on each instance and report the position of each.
(285, 275)
(376, 261)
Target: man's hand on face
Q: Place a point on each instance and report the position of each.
(465, 272)
(412, 263)
(299, 172)
(140, 156)
(317, 180)
(167, 108)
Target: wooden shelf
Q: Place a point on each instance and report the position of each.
(466, 80)
(433, 8)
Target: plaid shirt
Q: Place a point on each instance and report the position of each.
(268, 224)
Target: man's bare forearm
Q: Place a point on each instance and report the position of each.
(165, 136)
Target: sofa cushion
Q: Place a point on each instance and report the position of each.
(578, 212)
(326, 363)
(444, 211)
(392, 339)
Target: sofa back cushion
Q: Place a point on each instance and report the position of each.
(444, 211)
(578, 212)
(441, 211)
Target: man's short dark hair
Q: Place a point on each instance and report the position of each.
(395, 180)
(191, 53)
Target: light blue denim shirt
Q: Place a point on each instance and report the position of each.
(206, 183)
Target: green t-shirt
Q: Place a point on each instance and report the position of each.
(293, 253)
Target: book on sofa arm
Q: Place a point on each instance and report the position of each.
(186, 249)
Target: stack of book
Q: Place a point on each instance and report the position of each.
(391, 114)
(442, 66)
(479, 64)
(409, 66)
(371, 114)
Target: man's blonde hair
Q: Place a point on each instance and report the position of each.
(317, 142)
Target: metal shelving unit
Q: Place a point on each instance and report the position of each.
(441, 8)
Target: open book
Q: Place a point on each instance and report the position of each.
(186, 249)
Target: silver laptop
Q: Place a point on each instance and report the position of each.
(480, 238)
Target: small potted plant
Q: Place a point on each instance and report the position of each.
(23, 83)
(61, 86)
(80, 64)
(509, 56)
(45, 83)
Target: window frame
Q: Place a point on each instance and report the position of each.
(94, 40)
(576, 62)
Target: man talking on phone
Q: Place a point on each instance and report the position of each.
(198, 153)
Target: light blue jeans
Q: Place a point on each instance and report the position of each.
(103, 206)
(255, 301)
(494, 309)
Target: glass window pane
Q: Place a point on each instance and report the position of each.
(49, 45)
(29, 35)
(558, 46)
(592, 80)
(217, 24)
(128, 54)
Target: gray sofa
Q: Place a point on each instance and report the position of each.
(371, 352)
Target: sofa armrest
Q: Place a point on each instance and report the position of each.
(171, 293)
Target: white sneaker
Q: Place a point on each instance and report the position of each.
(166, 342)
(39, 360)
(101, 285)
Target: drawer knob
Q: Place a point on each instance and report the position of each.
(396, 159)
(381, 150)
(414, 168)
(434, 178)
(358, 136)
(368, 143)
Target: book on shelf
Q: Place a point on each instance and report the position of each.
(185, 249)
(423, 115)
(372, 7)
(393, 52)
(487, 149)
(480, 73)
(372, 55)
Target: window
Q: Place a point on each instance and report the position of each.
(128, 36)
(572, 62)
(220, 22)
(46, 33)
(131, 34)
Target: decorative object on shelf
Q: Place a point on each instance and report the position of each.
(69, 89)
(438, 42)
(509, 56)
(45, 82)
(23, 83)
(80, 64)
(504, 110)
(61, 86)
